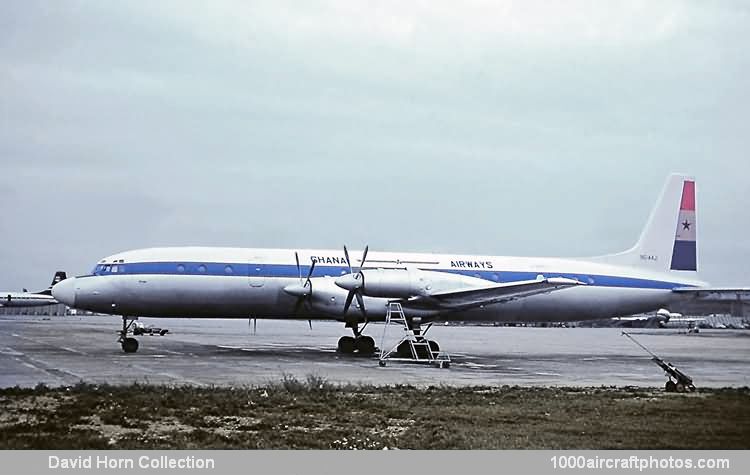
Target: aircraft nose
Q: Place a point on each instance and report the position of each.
(65, 292)
(347, 282)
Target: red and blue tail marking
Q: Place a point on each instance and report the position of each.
(684, 253)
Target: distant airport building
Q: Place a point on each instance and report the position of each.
(44, 310)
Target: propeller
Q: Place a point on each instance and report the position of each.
(355, 290)
(305, 286)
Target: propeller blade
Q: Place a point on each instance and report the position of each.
(298, 304)
(255, 325)
(309, 274)
(360, 276)
(348, 302)
(299, 269)
(309, 322)
(361, 303)
(364, 257)
(348, 262)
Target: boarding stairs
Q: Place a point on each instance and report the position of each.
(412, 339)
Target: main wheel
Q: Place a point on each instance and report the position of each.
(679, 387)
(346, 344)
(422, 352)
(404, 350)
(670, 387)
(365, 345)
(434, 347)
(130, 345)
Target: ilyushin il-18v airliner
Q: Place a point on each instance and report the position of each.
(359, 287)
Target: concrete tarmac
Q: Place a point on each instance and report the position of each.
(67, 350)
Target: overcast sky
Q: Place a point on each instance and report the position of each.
(503, 128)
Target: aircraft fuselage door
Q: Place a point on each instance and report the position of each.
(256, 273)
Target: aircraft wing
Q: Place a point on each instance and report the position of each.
(476, 297)
(716, 294)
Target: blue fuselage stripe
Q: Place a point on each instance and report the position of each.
(290, 271)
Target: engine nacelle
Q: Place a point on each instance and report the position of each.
(394, 283)
(327, 298)
(404, 283)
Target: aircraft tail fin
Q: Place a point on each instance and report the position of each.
(59, 277)
(669, 240)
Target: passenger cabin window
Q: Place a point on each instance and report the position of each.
(202, 269)
(228, 270)
(114, 269)
(180, 268)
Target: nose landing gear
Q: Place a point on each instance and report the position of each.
(129, 344)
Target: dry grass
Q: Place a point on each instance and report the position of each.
(317, 414)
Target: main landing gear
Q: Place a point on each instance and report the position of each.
(362, 344)
(129, 344)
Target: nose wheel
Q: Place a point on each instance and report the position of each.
(129, 345)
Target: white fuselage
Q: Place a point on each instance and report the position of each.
(245, 282)
(25, 299)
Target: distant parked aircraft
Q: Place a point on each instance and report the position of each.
(32, 299)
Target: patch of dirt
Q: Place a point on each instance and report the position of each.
(395, 428)
(28, 410)
(113, 433)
